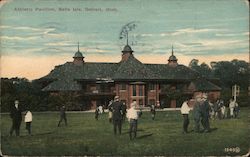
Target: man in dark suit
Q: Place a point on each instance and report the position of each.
(117, 114)
(124, 111)
(62, 116)
(16, 116)
(205, 113)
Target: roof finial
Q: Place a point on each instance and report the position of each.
(172, 50)
(78, 46)
(127, 37)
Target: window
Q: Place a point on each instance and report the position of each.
(140, 90)
(140, 102)
(151, 86)
(134, 90)
(122, 86)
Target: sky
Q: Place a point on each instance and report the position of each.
(38, 35)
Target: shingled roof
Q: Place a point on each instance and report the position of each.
(68, 76)
(179, 72)
(63, 85)
(202, 85)
(133, 69)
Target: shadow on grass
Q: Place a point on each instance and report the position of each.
(27, 135)
(203, 131)
(213, 129)
(144, 136)
(44, 133)
(138, 130)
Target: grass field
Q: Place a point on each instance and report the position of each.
(86, 136)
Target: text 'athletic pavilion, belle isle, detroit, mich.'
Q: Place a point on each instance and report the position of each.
(96, 83)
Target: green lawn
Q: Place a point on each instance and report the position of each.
(86, 136)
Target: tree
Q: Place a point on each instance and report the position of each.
(231, 73)
(203, 68)
(28, 93)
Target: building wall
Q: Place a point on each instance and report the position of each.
(147, 98)
(153, 95)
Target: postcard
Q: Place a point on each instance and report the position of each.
(125, 78)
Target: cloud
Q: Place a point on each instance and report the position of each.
(192, 31)
(232, 34)
(44, 32)
(17, 38)
(64, 43)
(147, 35)
(219, 42)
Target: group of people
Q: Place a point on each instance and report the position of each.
(220, 110)
(203, 110)
(117, 114)
(16, 116)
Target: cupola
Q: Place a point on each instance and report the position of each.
(172, 61)
(127, 51)
(78, 57)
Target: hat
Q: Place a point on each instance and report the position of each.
(198, 96)
(204, 96)
(16, 101)
(133, 104)
(116, 97)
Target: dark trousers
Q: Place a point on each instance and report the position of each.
(61, 119)
(132, 128)
(123, 117)
(185, 122)
(28, 127)
(96, 116)
(197, 124)
(15, 126)
(205, 123)
(117, 124)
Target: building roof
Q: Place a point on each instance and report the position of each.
(202, 85)
(172, 58)
(69, 75)
(78, 54)
(63, 85)
(179, 72)
(133, 69)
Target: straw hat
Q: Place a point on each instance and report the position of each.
(116, 97)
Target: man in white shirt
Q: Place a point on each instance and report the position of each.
(28, 120)
(132, 116)
(185, 111)
(231, 107)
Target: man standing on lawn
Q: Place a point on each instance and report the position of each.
(62, 116)
(197, 113)
(117, 114)
(205, 113)
(152, 110)
(124, 111)
(185, 111)
(16, 116)
(132, 116)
